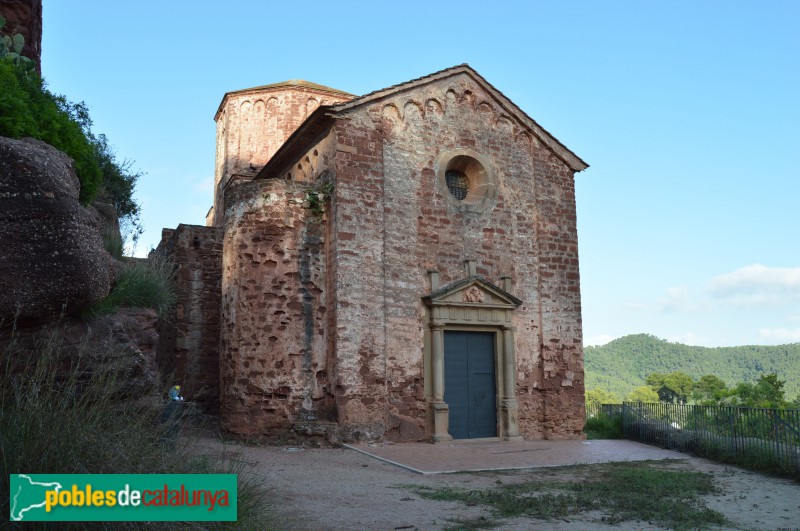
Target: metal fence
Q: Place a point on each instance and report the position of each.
(754, 437)
(594, 409)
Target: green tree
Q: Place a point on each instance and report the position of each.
(709, 390)
(767, 392)
(622, 365)
(642, 394)
(601, 396)
(672, 388)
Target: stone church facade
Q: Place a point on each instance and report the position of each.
(399, 265)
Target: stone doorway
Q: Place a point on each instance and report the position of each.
(476, 308)
(469, 384)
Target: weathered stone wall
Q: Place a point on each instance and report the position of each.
(251, 126)
(189, 338)
(274, 310)
(558, 410)
(393, 223)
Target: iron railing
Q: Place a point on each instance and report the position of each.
(594, 409)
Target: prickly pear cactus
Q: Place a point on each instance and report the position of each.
(11, 47)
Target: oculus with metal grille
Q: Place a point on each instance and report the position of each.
(457, 183)
(465, 180)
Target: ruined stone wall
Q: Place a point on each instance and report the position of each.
(274, 310)
(393, 222)
(188, 350)
(253, 124)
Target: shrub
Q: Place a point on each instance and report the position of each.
(30, 109)
(602, 426)
(63, 416)
(141, 284)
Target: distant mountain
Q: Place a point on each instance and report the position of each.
(623, 364)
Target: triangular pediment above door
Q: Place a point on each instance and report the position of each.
(472, 291)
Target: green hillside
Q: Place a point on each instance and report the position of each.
(623, 364)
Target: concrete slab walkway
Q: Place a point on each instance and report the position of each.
(475, 456)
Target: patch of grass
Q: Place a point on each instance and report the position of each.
(622, 491)
(602, 426)
(61, 415)
(141, 284)
(112, 242)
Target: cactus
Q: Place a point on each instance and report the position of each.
(18, 42)
(11, 47)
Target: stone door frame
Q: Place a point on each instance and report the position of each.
(470, 305)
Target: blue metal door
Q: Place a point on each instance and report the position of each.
(469, 384)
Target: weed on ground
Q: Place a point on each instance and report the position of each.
(643, 491)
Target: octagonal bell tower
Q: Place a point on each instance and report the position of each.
(253, 123)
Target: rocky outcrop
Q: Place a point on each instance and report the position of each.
(120, 348)
(52, 259)
(124, 344)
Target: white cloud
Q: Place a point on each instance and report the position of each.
(596, 341)
(757, 285)
(780, 335)
(679, 299)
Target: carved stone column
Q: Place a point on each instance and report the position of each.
(510, 406)
(441, 413)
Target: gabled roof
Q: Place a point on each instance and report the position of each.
(291, 83)
(572, 160)
(324, 116)
(449, 294)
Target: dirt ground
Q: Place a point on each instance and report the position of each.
(332, 489)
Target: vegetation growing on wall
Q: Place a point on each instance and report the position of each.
(317, 197)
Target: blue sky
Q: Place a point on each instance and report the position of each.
(687, 112)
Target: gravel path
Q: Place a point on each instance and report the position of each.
(340, 489)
